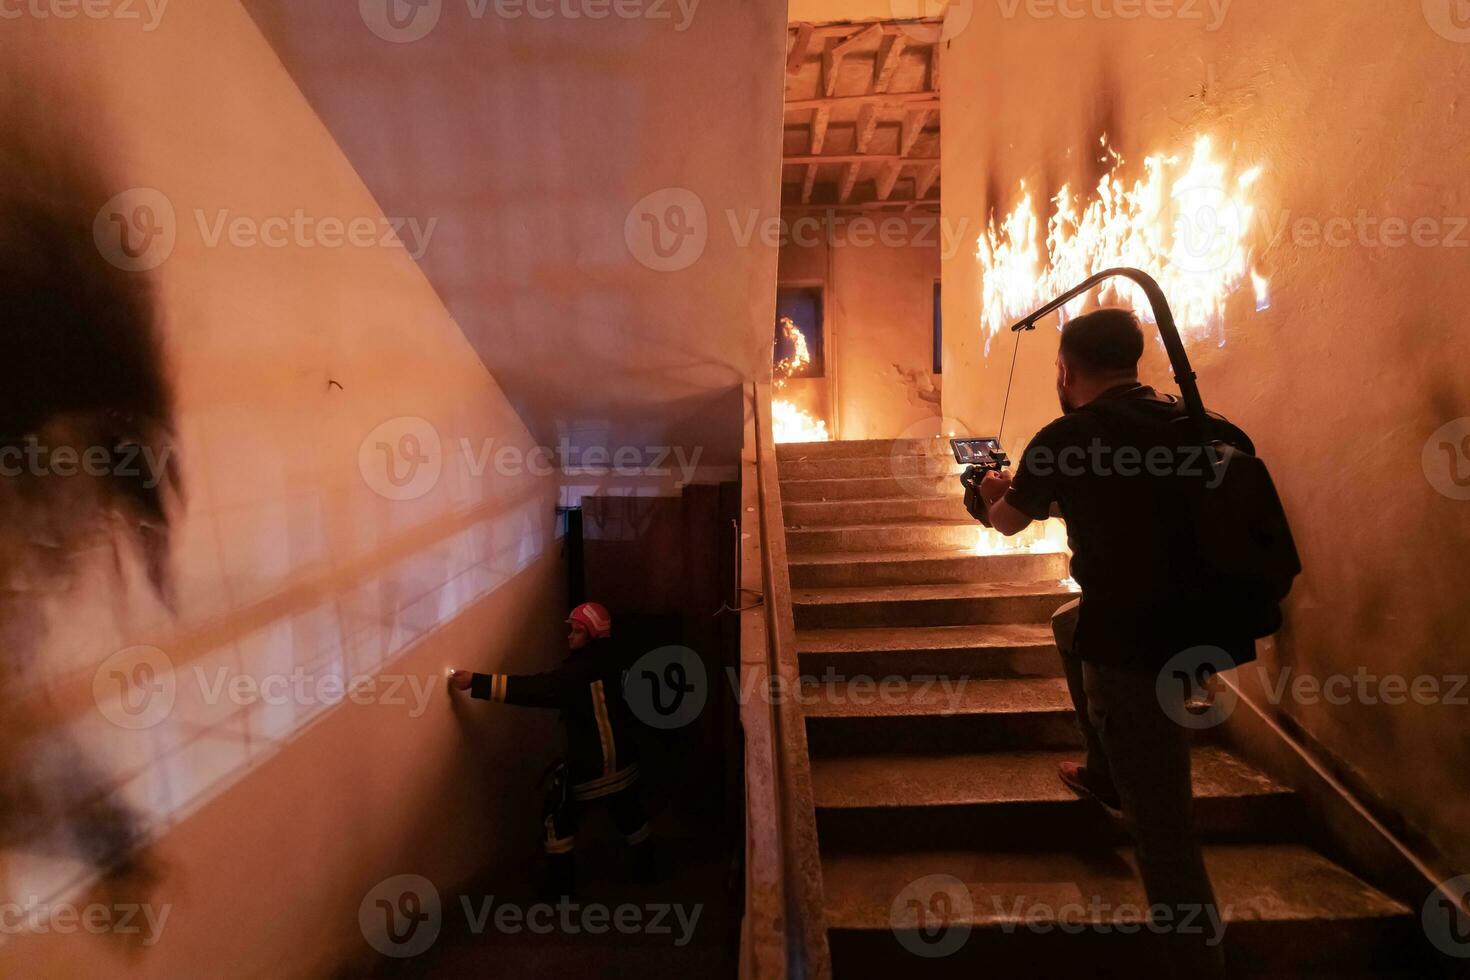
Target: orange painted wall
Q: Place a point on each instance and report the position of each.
(274, 815)
(879, 310)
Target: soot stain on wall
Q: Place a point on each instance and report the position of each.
(87, 467)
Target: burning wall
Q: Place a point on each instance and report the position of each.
(1356, 219)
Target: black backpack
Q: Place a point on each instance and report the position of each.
(1238, 557)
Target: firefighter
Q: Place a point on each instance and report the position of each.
(601, 759)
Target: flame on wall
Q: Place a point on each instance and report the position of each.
(789, 423)
(1187, 222)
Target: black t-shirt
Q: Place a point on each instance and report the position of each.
(1119, 469)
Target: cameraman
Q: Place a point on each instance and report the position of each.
(1111, 467)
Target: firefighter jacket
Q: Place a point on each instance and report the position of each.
(587, 688)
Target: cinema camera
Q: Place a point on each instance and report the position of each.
(978, 456)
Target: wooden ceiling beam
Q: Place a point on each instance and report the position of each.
(867, 123)
(912, 127)
(881, 98)
(801, 43)
(808, 182)
(856, 158)
(925, 181)
(922, 31)
(849, 181)
(888, 178)
(895, 206)
(887, 62)
(821, 116)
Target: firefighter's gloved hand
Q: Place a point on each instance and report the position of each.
(460, 680)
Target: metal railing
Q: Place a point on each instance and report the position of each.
(782, 933)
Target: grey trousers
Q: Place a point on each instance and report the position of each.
(1137, 750)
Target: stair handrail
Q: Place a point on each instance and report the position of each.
(781, 815)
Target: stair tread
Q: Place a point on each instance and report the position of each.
(903, 638)
(899, 593)
(1030, 776)
(897, 697)
(1253, 882)
(928, 498)
(878, 525)
(878, 557)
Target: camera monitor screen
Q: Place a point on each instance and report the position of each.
(984, 451)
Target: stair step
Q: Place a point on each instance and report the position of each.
(868, 488)
(842, 568)
(824, 513)
(848, 448)
(1285, 908)
(998, 650)
(955, 536)
(858, 467)
(897, 715)
(881, 802)
(929, 605)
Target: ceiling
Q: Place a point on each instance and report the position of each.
(540, 146)
(862, 115)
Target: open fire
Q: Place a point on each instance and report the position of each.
(1041, 538)
(788, 422)
(1186, 222)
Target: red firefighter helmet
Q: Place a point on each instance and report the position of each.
(593, 617)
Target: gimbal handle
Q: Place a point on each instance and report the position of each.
(1184, 376)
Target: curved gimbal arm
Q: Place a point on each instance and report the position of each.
(1184, 376)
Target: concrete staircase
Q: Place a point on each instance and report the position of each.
(916, 775)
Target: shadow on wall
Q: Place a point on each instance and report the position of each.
(87, 466)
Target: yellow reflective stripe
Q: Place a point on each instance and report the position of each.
(604, 730)
(498, 684)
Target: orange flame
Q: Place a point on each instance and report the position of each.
(1189, 226)
(789, 423)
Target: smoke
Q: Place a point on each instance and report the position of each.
(84, 380)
